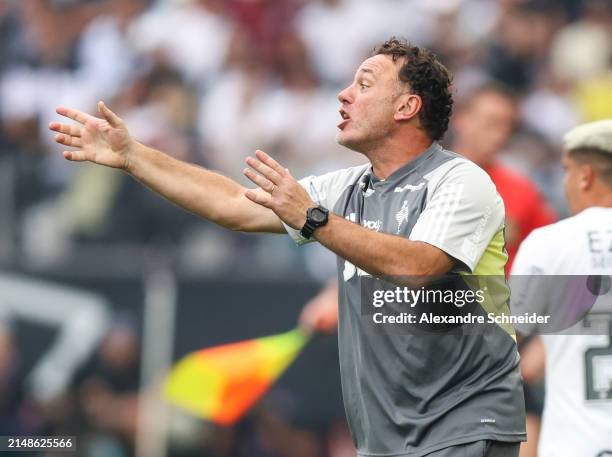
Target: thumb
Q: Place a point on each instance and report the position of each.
(259, 198)
(110, 117)
(78, 156)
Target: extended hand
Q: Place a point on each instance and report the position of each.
(283, 194)
(102, 141)
(321, 313)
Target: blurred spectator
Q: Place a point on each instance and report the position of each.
(549, 111)
(582, 50)
(339, 33)
(9, 26)
(64, 54)
(337, 55)
(594, 88)
(108, 393)
(266, 23)
(532, 155)
(197, 42)
(11, 396)
(482, 126)
(516, 56)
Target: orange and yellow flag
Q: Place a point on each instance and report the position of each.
(221, 383)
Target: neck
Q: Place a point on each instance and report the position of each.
(603, 200)
(395, 153)
(600, 197)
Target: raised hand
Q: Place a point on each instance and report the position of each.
(282, 193)
(103, 141)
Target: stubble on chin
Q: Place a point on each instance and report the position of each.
(347, 143)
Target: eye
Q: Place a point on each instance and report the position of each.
(363, 86)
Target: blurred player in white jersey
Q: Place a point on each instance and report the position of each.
(577, 419)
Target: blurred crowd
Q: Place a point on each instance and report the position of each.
(210, 81)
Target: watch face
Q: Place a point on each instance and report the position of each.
(317, 215)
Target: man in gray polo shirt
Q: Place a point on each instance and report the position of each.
(414, 211)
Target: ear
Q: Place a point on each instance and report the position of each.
(586, 177)
(408, 107)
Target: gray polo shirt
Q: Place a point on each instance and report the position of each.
(408, 394)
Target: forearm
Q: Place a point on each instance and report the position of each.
(202, 192)
(381, 254)
(207, 194)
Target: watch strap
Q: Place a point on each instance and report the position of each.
(311, 224)
(308, 229)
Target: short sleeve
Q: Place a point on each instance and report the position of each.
(462, 214)
(326, 190)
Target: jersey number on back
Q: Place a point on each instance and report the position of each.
(598, 363)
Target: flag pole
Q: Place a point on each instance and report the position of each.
(156, 355)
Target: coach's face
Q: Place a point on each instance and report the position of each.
(374, 104)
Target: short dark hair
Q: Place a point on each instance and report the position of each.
(599, 159)
(428, 79)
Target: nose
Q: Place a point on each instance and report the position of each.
(345, 95)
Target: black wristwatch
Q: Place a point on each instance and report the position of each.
(315, 217)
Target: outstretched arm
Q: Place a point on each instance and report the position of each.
(379, 254)
(205, 193)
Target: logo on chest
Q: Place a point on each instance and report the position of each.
(409, 187)
(402, 216)
(372, 225)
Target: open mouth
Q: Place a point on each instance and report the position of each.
(345, 119)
